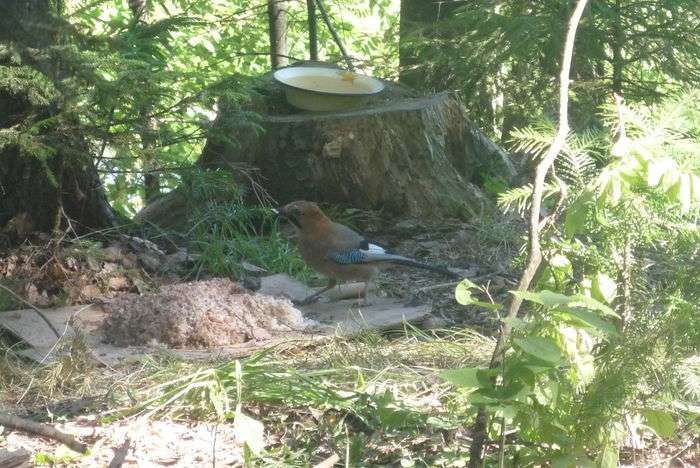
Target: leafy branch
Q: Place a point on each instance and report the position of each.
(535, 250)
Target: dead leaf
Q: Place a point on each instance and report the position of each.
(118, 282)
(249, 431)
(90, 291)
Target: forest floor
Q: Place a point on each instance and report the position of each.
(374, 399)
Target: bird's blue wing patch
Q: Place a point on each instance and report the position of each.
(348, 257)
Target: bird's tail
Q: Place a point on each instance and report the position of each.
(401, 260)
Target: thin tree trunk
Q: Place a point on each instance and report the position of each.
(327, 19)
(535, 250)
(618, 41)
(151, 178)
(277, 18)
(313, 30)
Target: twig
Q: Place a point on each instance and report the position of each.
(33, 307)
(32, 427)
(120, 454)
(534, 259)
(455, 283)
(334, 33)
(502, 444)
(213, 446)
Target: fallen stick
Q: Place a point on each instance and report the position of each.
(120, 454)
(32, 427)
(328, 462)
(33, 307)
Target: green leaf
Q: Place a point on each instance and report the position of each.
(580, 300)
(564, 461)
(546, 392)
(545, 297)
(661, 422)
(463, 295)
(478, 398)
(591, 319)
(604, 288)
(515, 323)
(250, 431)
(657, 169)
(544, 349)
(520, 371)
(684, 195)
(608, 458)
(575, 217)
(695, 190)
(465, 377)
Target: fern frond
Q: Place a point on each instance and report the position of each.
(518, 199)
(575, 167)
(534, 140)
(689, 373)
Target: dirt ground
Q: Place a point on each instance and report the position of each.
(484, 251)
(154, 443)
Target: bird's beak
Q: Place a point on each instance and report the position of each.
(283, 215)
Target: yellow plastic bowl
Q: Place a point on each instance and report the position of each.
(326, 89)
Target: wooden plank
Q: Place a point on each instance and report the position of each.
(345, 318)
(14, 459)
(281, 285)
(29, 326)
(331, 318)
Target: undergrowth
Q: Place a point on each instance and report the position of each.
(225, 231)
(374, 397)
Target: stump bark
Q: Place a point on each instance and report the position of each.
(408, 155)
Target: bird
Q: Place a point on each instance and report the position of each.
(338, 252)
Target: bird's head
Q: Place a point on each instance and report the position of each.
(303, 214)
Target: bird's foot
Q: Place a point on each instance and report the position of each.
(363, 302)
(306, 301)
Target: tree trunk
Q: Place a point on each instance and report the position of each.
(313, 30)
(277, 17)
(47, 174)
(417, 156)
(618, 39)
(147, 132)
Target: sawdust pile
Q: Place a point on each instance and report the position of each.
(199, 314)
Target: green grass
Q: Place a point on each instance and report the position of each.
(369, 397)
(223, 256)
(226, 231)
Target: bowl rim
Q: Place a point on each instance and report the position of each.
(327, 93)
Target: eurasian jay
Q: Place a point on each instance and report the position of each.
(338, 252)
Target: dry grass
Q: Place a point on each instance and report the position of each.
(314, 399)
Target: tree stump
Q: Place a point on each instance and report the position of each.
(406, 154)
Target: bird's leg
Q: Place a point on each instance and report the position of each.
(313, 297)
(363, 299)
